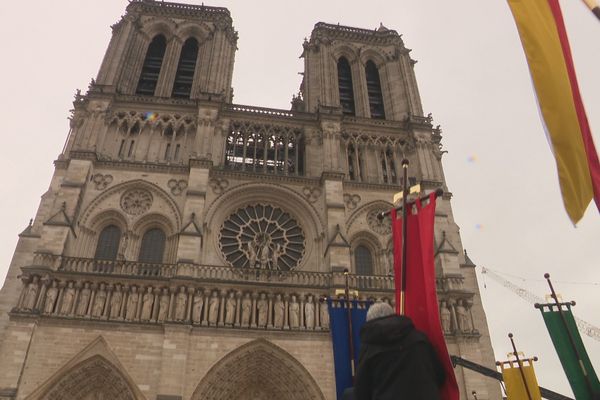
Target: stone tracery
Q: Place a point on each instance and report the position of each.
(263, 237)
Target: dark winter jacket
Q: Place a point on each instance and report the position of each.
(396, 362)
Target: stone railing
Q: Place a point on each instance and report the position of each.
(273, 112)
(184, 270)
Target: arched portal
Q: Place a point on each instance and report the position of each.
(93, 379)
(258, 370)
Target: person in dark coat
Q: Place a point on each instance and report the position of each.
(396, 361)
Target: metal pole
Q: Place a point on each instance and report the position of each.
(350, 333)
(588, 383)
(404, 238)
(516, 354)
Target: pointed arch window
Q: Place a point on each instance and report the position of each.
(345, 86)
(182, 87)
(374, 91)
(108, 243)
(355, 162)
(152, 64)
(363, 260)
(153, 246)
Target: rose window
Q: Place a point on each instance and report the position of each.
(263, 237)
(136, 201)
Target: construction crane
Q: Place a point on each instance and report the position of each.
(584, 327)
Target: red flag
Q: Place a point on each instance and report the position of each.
(420, 296)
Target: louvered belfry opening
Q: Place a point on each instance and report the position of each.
(153, 246)
(182, 87)
(345, 86)
(374, 91)
(151, 69)
(108, 243)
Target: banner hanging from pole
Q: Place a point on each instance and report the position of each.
(338, 317)
(420, 297)
(513, 379)
(583, 387)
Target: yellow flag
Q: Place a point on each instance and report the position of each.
(513, 380)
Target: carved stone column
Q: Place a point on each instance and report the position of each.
(109, 294)
(455, 328)
(238, 296)
(253, 311)
(93, 288)
(155, 308)
(270, 311)
(223, 295)
(78, 286)
(191, 291)
(39, 305)
(170, 315)
(206, 306)
(286, 311)
(301, 301)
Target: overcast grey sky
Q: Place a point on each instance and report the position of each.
(472, 77)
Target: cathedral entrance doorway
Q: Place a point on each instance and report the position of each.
(258, 370)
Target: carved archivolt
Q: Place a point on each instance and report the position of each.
(259, 368)
(133, 122)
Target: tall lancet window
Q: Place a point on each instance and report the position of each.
(345, 86)
(153, 246)
(363, 261)
(108, 243)
(374, 91)
(152, 64)
(182, 87)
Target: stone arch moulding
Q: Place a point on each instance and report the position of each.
(94, 370)
(197, 30)
(256, 193)
(364, 209)
(158, 26)
(373, 55)
(258, 370)
(345, 50)
(110, 198)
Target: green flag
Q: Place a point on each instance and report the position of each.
(574, 369)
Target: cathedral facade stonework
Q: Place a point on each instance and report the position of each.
(186, 243)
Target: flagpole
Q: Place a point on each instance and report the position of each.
(404, 238)
(516, 354)
(588, 383)
(350, 333)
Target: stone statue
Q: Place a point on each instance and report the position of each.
(31, 295)
(278, 312)
(324, 314)
(246, 310)
(230, 309)
(262, 307)
(132, 303)
(265, 254)
(294, 313)
(123, 246)
(445, 318)
(99, 300)
(275, 257)
(463, 317)
(309, 313)
(180, 304)
(163, 305)
(51, 295)
(213, 309)
(68, 298)
(84, 300)
(252, 253)
(147, 303)
(115, 303)
(197, 308)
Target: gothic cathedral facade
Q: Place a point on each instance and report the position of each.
(185, 244)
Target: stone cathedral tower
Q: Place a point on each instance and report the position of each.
(184, 244)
